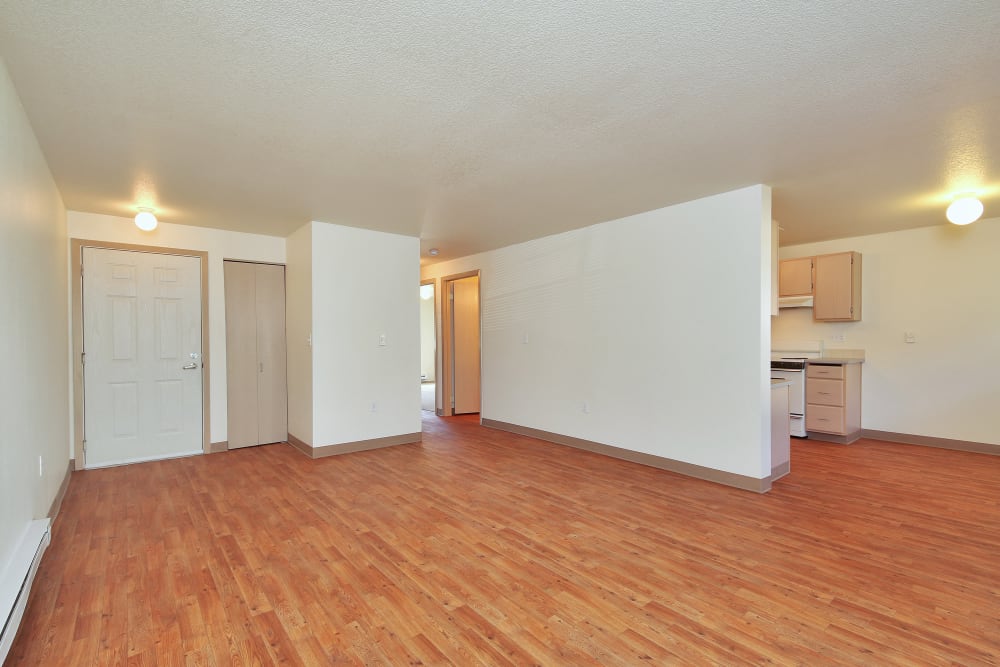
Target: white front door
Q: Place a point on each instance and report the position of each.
(142, 346)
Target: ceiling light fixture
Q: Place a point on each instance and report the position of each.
(965, 210)
(433, 252)
(145, 220)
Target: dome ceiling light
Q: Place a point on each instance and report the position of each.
(965, 210)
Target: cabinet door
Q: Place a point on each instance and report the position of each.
(795, 277)
(838, 287)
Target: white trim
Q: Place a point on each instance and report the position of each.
(17, 577)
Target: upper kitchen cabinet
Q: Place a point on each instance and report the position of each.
(837, 288)
(795, 277)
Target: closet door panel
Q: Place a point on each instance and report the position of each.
(241, 354)
(272, 399)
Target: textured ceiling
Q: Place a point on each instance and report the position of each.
(477, 125)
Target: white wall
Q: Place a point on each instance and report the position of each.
(658, 322)
(220, 245)
(298, 323)
(943, 284)
(364, 285)
(34, 331)
(428, 342)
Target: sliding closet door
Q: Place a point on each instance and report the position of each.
(241, 354)
(272, 395)
(255, 354)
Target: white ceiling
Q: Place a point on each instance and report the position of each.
(476, 125)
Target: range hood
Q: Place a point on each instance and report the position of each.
(795, 302)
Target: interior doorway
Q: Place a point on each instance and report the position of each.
(428, 346)
(461, 380)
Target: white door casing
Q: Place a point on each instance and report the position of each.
(143, 358)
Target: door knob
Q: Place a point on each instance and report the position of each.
(190, 367)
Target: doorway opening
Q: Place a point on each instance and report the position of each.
(428, 346)
(461, 381)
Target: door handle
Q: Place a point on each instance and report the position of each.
(190, 367)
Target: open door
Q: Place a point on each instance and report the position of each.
(428, 346)
(462, 341)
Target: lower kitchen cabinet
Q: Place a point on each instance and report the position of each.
(833, 401)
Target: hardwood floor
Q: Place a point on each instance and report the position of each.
(483, 547)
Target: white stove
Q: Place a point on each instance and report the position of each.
(788, 362)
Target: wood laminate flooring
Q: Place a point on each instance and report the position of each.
(483, 547)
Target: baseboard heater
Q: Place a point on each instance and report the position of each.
(16, 580)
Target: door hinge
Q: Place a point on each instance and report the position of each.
(83, 358)
(84, 446)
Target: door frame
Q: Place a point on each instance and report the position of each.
(76, 277)
(444, 387)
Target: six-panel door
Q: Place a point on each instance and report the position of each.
(142, 345)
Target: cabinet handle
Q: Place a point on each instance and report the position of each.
(824, 393)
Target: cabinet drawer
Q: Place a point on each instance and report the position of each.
(825, 392)
(819, 371)
(825, 418)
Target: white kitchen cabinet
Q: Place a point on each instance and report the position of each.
(780, 435)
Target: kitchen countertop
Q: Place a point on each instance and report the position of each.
(775, 383)
(840, 361)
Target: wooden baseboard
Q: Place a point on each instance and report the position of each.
(57, 501)
(838, 439)
(350, 447)
(216, 447)
(780, 471)
(300, 445)
(928, 441)
(663, 463)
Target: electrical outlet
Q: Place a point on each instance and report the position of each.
(585, 407)
(838, 338)
(909, 337)
(381, 340)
